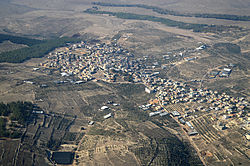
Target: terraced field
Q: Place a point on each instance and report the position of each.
(205, 129)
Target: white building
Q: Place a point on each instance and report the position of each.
(107, 116)
(147, 90)
(104, 107)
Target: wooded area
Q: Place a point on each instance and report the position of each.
(14, 111)
(36, 50)
(19, 40)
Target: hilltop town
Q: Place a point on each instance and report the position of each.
(205, 115)
(140, 83)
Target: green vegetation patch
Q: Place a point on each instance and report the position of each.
(18, 111)
(19, 40)
(36, 50)
(14, 111)
(3, 132)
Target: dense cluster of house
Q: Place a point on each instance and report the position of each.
(106, 61)
(169, 92)
(87, 61)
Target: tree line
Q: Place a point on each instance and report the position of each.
(165, 21)
(174, 13)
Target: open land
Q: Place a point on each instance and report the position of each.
(134, 91)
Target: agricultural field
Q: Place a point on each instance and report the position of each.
(68, 108)
(215, 144)
(224, 148)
